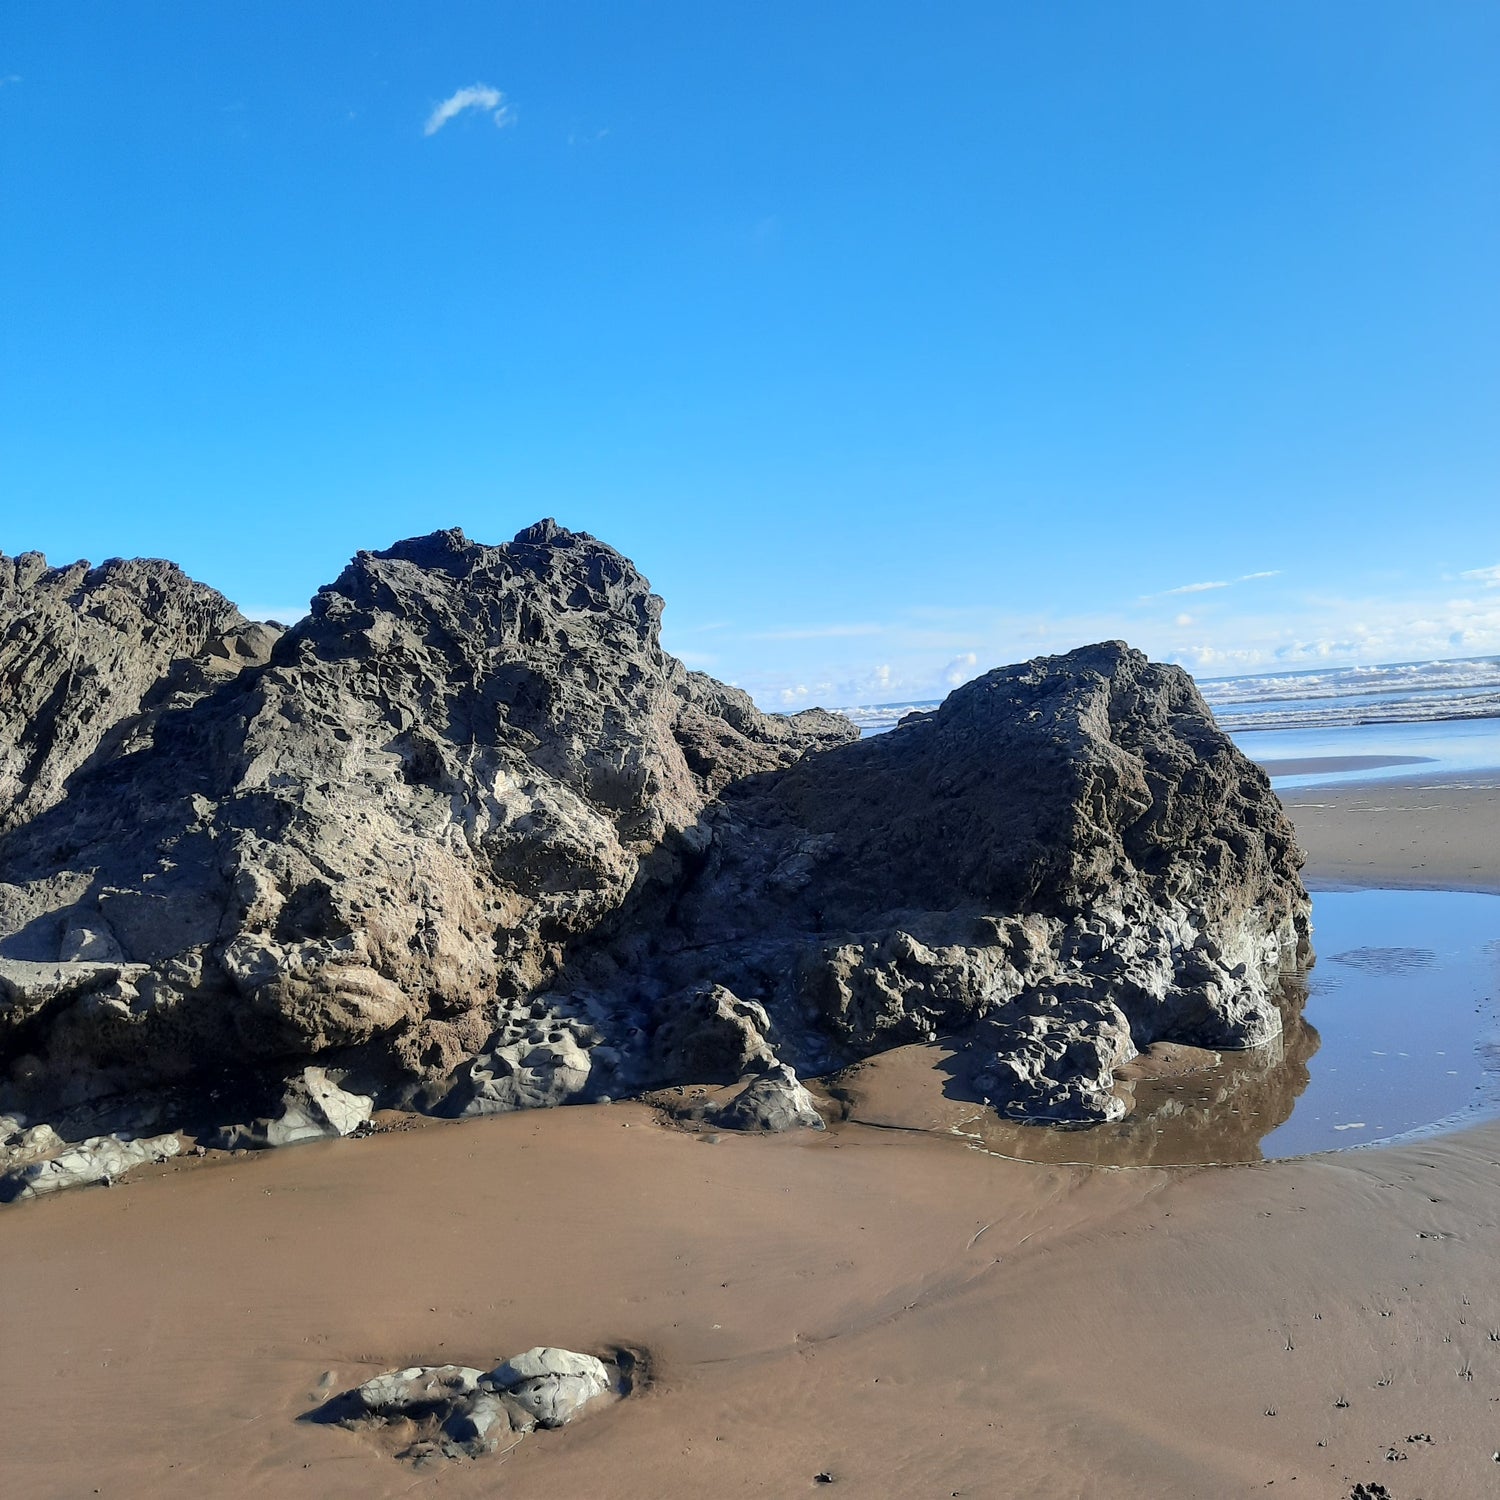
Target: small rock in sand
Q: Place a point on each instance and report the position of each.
(775, 1102)
(461, 1412)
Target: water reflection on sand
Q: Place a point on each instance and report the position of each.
(1390, 1034)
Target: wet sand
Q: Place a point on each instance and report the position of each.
(908, 1315)
(1412, 833)
(1338, 765)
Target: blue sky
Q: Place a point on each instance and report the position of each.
(892, 342)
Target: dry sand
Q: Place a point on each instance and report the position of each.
(885, 1306)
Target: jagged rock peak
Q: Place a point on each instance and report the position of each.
(383, 837)
(89, 656)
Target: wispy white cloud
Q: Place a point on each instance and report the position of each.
(1190, 588)
(1489, 577)
(961, 669)
(478, 96)
(1223, 582)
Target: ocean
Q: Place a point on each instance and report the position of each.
(1434, 718)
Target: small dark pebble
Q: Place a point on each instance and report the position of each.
(824, 1478)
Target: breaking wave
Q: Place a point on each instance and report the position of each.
(1324, 698)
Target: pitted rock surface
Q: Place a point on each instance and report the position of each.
(470, 839)
(382, 839)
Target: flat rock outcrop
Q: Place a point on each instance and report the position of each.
(468, 839)
(101, 1159)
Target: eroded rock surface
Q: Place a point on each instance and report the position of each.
(383, 838)
(471, 841)
(455, 1411)
(313, 1107)
(101, 1159)
(90, 657)
(21, 1145)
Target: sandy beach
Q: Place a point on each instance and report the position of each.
(1418, 833)
(881, 1306)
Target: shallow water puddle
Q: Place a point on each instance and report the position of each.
(1404, 997)
(1400, 1033)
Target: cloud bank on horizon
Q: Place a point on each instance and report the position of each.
(921, 653)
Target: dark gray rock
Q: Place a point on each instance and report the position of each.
(468, 834)
(710, 1035)
(382, 839)
(775, 1102)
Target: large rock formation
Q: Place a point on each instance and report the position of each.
(383, 838)
(1068, 851)
(469, 839)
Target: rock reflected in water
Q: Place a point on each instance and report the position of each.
(1186, 1105)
